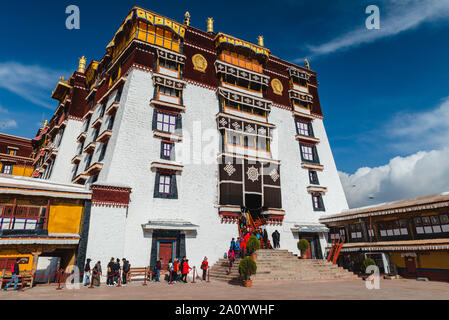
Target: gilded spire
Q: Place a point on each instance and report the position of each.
(210, 25)
(82, 64)
(307, 64)
(260, 41)
(187, 18)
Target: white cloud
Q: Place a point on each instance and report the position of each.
(420, 130)
(31, 82)
(396, 16)
(8, 124)
(422, 173)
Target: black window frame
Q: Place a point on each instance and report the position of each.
(173, 186)
(316, 159)
(320, 201)
(313, 177)
(172, 151)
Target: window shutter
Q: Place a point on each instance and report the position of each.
(156, 185)
(312, 134)
(154, 119)
(316, 159)
(179, 124)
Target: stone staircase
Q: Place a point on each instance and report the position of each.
(282, 265)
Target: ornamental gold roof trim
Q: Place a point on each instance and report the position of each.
(138, 13)
(225, 38)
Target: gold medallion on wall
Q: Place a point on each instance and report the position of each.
(277, 86)
(199, 63)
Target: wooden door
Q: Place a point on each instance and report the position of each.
(410, 264)
(166, 250)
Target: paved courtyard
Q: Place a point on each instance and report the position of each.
(331, 290)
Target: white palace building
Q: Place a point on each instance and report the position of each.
(176, 131)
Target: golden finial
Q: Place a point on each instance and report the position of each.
(45, 123)
(307, 64)
(187, 18)
(82, 64)
(61, 78)
(260, 41)
(210, 25)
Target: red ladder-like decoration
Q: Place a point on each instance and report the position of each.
(335, 250)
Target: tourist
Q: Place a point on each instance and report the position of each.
(111, 273)
(185, 270)
(265, 237)
(232, 244)
(176, 266)
(87, 273)
(15, 271)
(174, 273)
(274, 236)
(278, 239)
(96, 274)
(158, 268)
(204, 267)
(126, 268)
(117, 271)
(237, 248)
(181, 266)
(231, 255)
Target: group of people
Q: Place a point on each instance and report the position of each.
(237, 247)
(178, 269)
(113, 272)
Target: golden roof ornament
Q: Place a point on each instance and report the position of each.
(45, 123)
(260, 41)
(210, 25)
(82, 64)
(187, 18)
(307, 64)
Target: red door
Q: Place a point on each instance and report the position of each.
(165, 253)
(308, 253)
(410, 264)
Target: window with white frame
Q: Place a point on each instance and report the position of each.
(432, 224)
(164, 184)
(169, 91)
(393, 228)
(355, 230)
(7, 168)
(166, 122)
(166, 150)
(303, 128)
(307, 153)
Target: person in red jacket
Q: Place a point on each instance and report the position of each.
(204, 267)
(185, 270)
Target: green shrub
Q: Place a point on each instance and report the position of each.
(303, 245)
(253, 245)
(247, 268)
(366, 263)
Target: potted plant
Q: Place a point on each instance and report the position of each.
(303, 246)
(247, 268)
(367, 262)
(252, 246)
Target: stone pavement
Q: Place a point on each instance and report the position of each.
(217, 290)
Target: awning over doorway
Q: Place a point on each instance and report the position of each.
(310, 228)
(180, 225)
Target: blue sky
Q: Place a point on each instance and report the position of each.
(383, 92)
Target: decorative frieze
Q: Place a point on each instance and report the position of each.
(166, 81)
(110, 196)
(244, 99)
(170, 55)
(226, 68)
(298, 73)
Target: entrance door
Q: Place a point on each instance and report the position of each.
(166, 251)
(410, 264)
